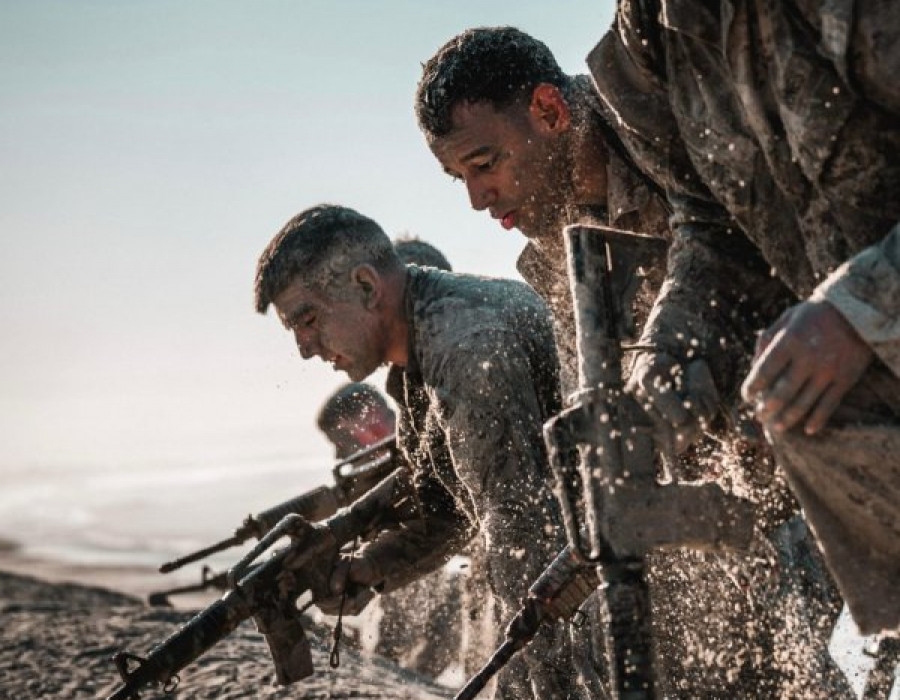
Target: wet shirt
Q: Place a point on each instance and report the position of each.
(482, 378)
(775, 130)
(480, 382)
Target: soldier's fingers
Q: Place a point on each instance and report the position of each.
(673, 409)
(825, 407)
(781, 393)
(766, 337)
(767, 368)
(799, 406)
(702, 391)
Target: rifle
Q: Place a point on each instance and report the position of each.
(207, 580)
(268, 592)
(557, 594)
(255, 594)
(614, 509)
(353, 476)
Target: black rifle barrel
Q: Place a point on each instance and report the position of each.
(500, 658)
(203, 631)
(233, 541)
(208, 581)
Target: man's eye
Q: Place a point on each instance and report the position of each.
(486, 165)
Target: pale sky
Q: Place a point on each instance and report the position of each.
(149, 151)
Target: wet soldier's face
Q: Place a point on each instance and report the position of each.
(510, 160)
(341, 327)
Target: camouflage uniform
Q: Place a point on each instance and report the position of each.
(719, 620)
(784, 115)
(481, 379)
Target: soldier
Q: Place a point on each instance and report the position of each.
(786, 117)
(473, 371)
(419, 628)
(532, 146)
(529, 145)
(355, 416)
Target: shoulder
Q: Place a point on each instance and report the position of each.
(461, 319)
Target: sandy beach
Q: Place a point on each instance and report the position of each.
(61, 623)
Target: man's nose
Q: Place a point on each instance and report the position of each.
(481, 194)
(306, 343)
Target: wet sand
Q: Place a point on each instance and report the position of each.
(57, 638)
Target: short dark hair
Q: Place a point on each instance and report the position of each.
(320, 244)
(353, 401)
(414, 251)
(498, 65)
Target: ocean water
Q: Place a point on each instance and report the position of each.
(144, 514)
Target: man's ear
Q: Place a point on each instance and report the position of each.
(549, 110)
(370, 283)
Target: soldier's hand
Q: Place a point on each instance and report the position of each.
(804, 366)
(356, 576)
(680, 399)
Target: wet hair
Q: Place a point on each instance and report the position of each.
(356, 401)
(415, 251)
(321, 245)
(499, 65)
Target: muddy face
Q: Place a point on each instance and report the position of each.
(339, 328)
(511, 164)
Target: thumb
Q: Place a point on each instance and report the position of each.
(339, 575)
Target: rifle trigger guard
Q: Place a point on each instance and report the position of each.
(171, 685)
(121, 660)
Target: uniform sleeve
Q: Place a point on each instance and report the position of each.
(717, 292)
(492, 416)
(432, 531)
(717, 289)
(422, 545)
(866, 290)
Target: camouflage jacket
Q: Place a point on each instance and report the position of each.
(788, 114)
(481, 379)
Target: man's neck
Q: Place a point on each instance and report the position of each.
(589, 157)
(396, 322)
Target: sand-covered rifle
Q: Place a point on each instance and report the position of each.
(557, 594)
(603, 457)
(353, 476)
(268, 591)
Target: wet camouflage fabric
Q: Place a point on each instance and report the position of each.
(481, 380)
(775, 130)
(716, 634)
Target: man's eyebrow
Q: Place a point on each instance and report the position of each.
(476, 153)
(291, 319)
